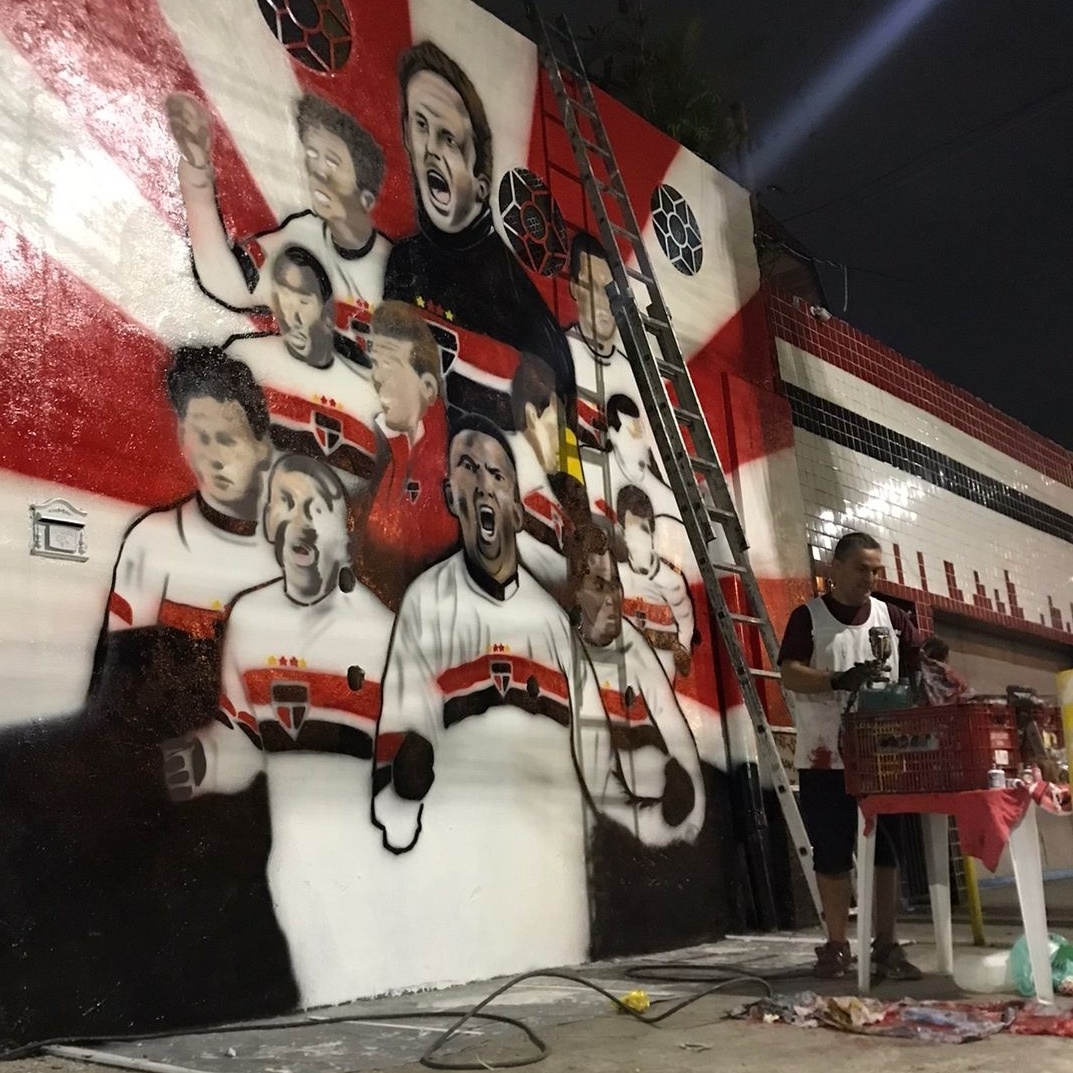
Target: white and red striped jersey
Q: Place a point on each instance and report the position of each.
(659, 605)
(303, 682)
(540, 543)
(306, 676)
(637, 695)
(494, 679)
(598, 377)
(182, 566)
(328, 413)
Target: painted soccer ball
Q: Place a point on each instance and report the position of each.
(315, 32)
(677, 230)
(532, 221)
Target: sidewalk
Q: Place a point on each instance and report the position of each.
(583, 1033)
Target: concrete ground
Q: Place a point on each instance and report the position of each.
(584, 1034)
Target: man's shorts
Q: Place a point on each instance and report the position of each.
(830, 818)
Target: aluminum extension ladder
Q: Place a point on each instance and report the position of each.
(696, 479)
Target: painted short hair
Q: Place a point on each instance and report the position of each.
(425, 56)
(365, 154)
(303, 259)
(850, 542)
(635, 501)
(533, 382)
(207, 372)
(585, 245)
(400, 320)
(322, 475)
(586, 541)
(486, 427)
(617, 406)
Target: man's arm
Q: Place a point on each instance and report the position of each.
(216, 266)
(225, 756)
(140, 578)
(411, 708)
(795, 656)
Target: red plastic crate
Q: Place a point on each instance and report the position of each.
(927, 750)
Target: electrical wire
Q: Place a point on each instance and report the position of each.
(729, 975)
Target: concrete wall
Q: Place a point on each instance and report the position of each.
(295, 708)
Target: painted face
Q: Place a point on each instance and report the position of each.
(334, 193)
(599, 596)
(640, 542)
(482, 494)
(629, 444)
(309, 531)
(226, 458)
(404, 394)
(855, 576)
(300, 313)
(443, 153)
(593, 306)
(542, 432)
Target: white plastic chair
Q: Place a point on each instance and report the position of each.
(1027, 871)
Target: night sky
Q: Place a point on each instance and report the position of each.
(926, 145)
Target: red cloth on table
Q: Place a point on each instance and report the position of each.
(984, 817)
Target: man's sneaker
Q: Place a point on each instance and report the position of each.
(889, 961)
(832, 961)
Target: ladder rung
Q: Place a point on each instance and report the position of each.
(667, 369)
(731, 568)
(626, 232)
(687, 417)
(640, 276)
(583, 108)
(760, 672)
(654, 324)
(705, 464)
(593, 148)
(613, 190)
(722, 513)
(746, 620)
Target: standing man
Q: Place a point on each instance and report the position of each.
(657, 599)
(555, 500)
(457, 263)
(318, 404)
(300, 696)
(601, 367)
(484, 762)
(651, 733)
(407, 526)
(180, 566)
(825, 658)
(344, 171)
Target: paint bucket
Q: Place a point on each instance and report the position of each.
(981, 971)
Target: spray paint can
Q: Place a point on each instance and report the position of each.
(996, 779)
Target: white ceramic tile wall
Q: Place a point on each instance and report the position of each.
(812, 374)
(843, 489)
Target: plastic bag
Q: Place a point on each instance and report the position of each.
(1061, 954)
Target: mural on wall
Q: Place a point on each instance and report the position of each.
(424, 632)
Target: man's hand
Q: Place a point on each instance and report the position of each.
(191, 127)
(858, 675)
(185, 765)
(683, 659)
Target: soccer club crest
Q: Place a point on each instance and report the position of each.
(328, 431)
(290, 702)
(413, 490)
(500, 671)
